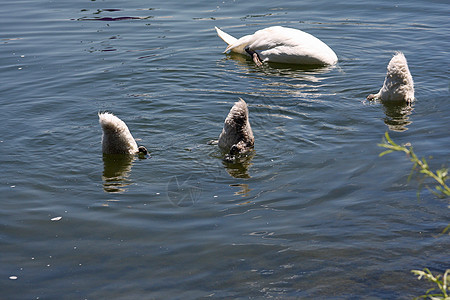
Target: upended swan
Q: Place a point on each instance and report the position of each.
(398, 84)
(117, 138)
(237, 135)
(282, 45)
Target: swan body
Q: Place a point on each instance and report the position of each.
(398, 84)
(117, 138)
(282, 45)
(237, 134)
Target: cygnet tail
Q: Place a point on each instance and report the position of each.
(226, 37)
(117, 138)
(237, 131)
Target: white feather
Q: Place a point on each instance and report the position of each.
(225, 36)
(282, 45)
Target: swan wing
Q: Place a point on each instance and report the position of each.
(288, 45)
(283, 45)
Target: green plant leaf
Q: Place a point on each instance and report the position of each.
(385, 152)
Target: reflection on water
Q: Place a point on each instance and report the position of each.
(280, 80)
(243, 191)
(239, 165)
(305, 72)
(116, 169)
(287, 80)
(397, 115)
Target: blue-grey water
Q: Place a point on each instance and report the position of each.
(313, 212)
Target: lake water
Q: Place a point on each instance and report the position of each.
(313, 212)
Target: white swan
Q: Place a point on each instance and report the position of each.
(398, 84)
(117, 138)
(237, 135)
(282, 45)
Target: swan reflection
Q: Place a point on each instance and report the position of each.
(237, 166)
(243, 191)
(305, 72)
(397, 115)
(116, 170)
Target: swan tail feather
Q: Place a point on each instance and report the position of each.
(226, 37)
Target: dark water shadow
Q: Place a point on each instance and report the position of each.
(116, 170)
(397, 115)
(115, 14)
(112, 19)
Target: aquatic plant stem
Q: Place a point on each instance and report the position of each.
(442, 284)
(440, 176)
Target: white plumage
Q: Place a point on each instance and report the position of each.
(117, 138)
(282, 45)
(398, 84)
(237, 135)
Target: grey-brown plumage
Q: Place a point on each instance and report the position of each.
(398, 84)
(117, 138)
(237, 134)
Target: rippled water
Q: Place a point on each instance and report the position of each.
(313, 212)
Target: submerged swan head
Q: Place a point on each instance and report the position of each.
(237, 135)
(398, 84)
(117, 138)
